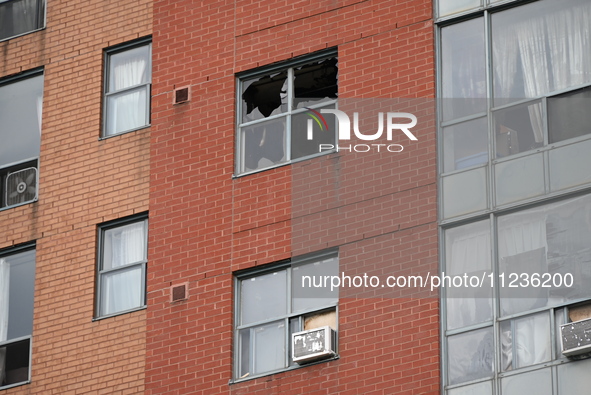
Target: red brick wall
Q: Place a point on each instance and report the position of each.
(83, 181)
(204, 225)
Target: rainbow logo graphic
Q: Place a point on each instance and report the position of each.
(320, 121)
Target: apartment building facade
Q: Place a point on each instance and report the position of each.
(173, 172)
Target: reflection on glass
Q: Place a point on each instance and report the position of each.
(464, 193)
(306, 294)
(470, 356)
(263, 297)
(538, 382)
(519, 179)
(448, 7)
(465, 145)
(569, 165)
(463, 71)
(269, 347)
(484, 388)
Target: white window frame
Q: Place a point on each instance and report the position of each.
(146, 86)
(101, 272)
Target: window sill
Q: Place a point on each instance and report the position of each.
(125, 132)
(144, 307)
(15, 385)
(18, 205)
(288, 369)
(302, 159)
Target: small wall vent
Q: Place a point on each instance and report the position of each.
(181, 95)
(178, 292)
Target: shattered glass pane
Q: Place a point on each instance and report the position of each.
(315, 82)
(263, 144)
(264, 96)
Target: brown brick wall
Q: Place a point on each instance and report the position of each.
(205, 225)
(83, 181)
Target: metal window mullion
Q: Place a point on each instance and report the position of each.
(491, 201)
(496, 303)
(290, 94)
(121, 268)
(546, 153)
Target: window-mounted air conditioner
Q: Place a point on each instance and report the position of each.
(21, 186)
(313, 345)
(576, 337)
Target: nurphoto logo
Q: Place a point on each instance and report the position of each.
(392, 121)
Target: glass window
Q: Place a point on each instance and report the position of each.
(276, 303)
(127, 88)
(122, 266)
(18, 17)
(274, 107)
(17, 286)
(21, 102)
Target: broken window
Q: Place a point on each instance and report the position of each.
(275, 303)
(273, 112)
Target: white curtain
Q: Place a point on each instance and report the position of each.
(127, 110)
(122, 289)
(4, 292)
(552, 50)
(470, 253)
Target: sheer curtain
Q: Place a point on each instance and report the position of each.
(4, 292)
(538, 50)
(17, 17)
(127, 110)
(470, 253)
(122, 288)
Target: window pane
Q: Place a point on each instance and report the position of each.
(263, 297)
(264, 96)
(269, 347)
(308, 290)
(574, 378)
(470, 356)
(464, 193)
(447, 7)
(20, 120)
(17, 288)
(538, 382)
(244, 349)
(484, 388)
(518, 129)
(15, 362)
(540, 47)
(468, 250)
(465, 145)
(569, 115)
(532, 340)
(124, 245)
(519, 179)
(565, 170)
(20, 16)
(315, 82)
(127, 110)
(463, 72)
(300, 145)
(263, 144)
(121, 290)
(130, 68)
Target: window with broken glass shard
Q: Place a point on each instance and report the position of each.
(274, 107)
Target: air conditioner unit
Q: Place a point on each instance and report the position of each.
(313, 345)
(576, 337)
(21, 186)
